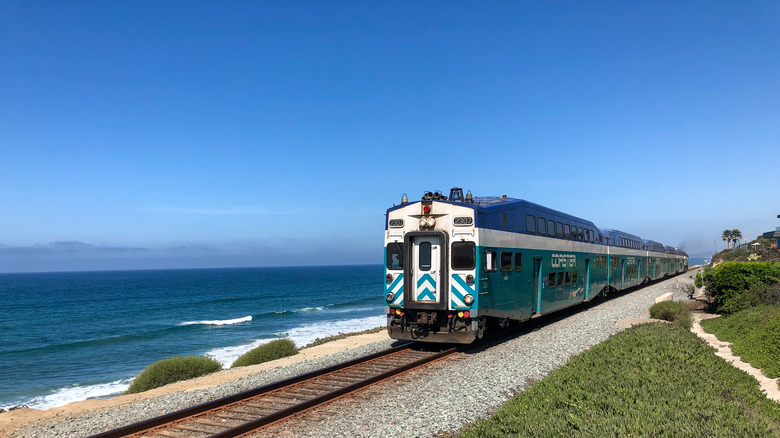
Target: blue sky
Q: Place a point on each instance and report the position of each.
(152, 134)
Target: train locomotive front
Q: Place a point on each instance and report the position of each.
(430, 269)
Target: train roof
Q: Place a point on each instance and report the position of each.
(609, 233)
(486, 205)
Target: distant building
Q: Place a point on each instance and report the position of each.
(774, 235)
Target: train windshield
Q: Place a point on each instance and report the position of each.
(463, 255)
(395, 256)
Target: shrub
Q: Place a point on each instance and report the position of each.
(739, 285)
(690, 290)
(172, 370)
(673, 311)
(698, 281)
(273, 350)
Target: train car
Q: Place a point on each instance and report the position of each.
(458, 266)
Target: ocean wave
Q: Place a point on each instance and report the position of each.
(302, 335)
(307, 333)
(218, 321)
(357, 305)
(74, 393)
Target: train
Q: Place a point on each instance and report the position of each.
(459, 266)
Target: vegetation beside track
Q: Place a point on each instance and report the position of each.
(672, 311)
(267, 352)
(649, 380)
(736, 286)
(754, 334)
(172, 370)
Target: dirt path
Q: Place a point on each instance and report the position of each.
(723, 349)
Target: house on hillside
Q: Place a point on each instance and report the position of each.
(774, 235)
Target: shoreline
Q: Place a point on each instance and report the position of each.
(12, 421)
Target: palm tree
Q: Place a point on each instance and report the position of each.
(727, 237)
(736, 235)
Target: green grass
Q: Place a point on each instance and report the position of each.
(754, 334)
(172, 370)
(320, 341)
(267, 352)
(649, 380)
(673, 311)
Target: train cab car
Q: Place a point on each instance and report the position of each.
(457, 266)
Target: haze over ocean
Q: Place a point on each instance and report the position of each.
(73, 336)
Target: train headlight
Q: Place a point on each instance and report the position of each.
(470, 279)
(431, 222)
(468, 299)
(389, 297)
(389, 278)
(423, 223)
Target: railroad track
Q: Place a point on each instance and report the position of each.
(244, 412)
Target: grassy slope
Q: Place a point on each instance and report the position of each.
(649, 380)
(754, 334)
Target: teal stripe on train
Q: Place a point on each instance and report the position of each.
(397, 288)
(426, 285)
(459, 290)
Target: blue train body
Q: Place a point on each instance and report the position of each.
(457, 266)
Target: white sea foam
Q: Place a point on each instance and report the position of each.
(307, 333)
(302, 335)
(74, 393)
(219, 321)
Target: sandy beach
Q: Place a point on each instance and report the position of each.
(12, 420)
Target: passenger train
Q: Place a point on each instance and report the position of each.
(458, 266)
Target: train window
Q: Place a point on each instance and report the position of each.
(574, 276)
(530, 223)
(580, 233)
(551, 227)
(395, 255)
(551, 280)
(541, 229)
(463, 255)
(568, 277)
(566, 231)
(518, 261)
(424, 251)
(506, 261)
(573, 232)
(489, 265)
(560, 278)
(559, 229)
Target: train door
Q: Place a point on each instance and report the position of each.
(426, 260)
(587, 279)
(537, 303)
(623, 274)
(639, 272)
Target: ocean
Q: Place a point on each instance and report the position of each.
(72, 336)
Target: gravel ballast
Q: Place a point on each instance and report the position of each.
(439, 398)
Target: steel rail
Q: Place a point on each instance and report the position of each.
(276, 416)
(204, 408)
